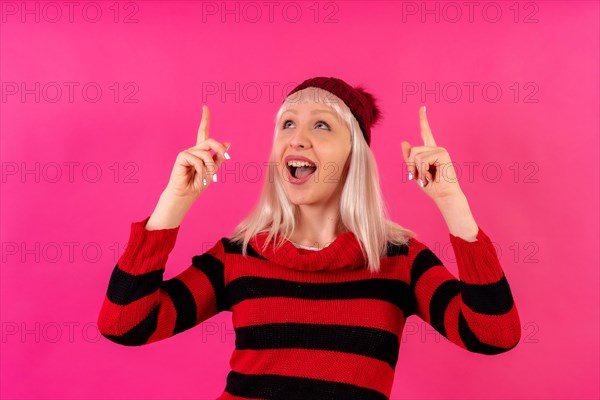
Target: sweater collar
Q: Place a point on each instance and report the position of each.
(344, 253)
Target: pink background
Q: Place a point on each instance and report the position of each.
(541, 135)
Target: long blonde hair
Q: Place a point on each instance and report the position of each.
(362, 207)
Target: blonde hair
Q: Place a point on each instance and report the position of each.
(362, 207)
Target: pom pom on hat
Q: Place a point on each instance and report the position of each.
(375, 114)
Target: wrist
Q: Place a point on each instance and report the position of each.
(458, 217)
(458, 199)
(169, 212)
(169, 197)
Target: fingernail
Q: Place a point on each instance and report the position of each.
(421, 182)
(227, 156)
(424, 108)
(204, 181)
(214, 177)
(410, 176)
(428, 180)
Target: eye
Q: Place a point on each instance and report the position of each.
(284, 125)
(324, 123)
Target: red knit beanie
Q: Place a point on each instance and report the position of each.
(360, 102)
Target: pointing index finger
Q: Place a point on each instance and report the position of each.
(204, 123)
(425, 129)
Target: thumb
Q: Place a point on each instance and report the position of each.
(405, 150)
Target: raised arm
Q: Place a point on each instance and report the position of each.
(140, 307)
(476, 312)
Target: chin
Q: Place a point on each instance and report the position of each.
(299, 198)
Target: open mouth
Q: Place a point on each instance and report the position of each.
(301, 172)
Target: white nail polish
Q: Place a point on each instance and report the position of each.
(204, 181)
(214, 177)
(420, 182)
(227, 156)
(410, 176)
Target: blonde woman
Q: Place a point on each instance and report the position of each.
(319, 280)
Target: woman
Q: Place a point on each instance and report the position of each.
(320, 282)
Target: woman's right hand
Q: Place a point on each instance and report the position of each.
(195, 167)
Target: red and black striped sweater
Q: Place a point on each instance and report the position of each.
(310, 324)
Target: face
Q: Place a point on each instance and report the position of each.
(314, 131)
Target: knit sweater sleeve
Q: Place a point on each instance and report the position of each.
(477, 311)
(140, 307)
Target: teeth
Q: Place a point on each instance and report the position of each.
(296, 163)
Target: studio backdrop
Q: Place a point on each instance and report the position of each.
(99, 97)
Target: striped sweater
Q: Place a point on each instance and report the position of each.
(310, 324)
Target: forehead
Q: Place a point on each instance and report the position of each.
(310, 108)
(312, 102)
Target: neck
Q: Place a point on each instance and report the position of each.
(317, 227)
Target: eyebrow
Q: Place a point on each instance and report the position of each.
(312, 112)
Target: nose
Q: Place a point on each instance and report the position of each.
(299, 139)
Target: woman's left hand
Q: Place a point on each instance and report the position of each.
(430, 166)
